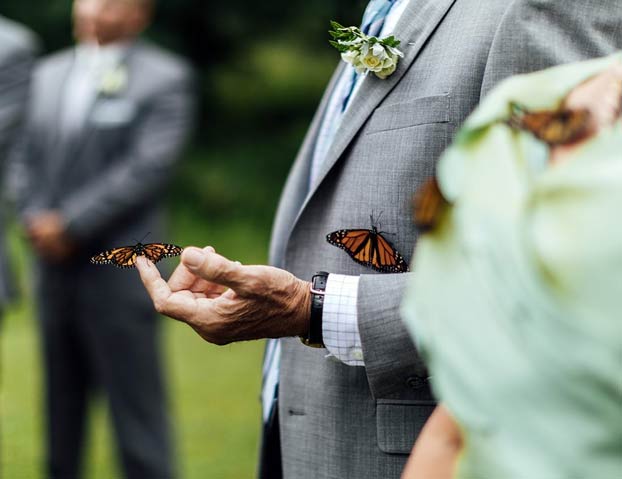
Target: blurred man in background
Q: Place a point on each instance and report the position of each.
(105, 128)
(17, 53)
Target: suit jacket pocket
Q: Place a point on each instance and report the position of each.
(399, 422)
(420, 111)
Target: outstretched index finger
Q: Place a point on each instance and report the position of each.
(215, 268)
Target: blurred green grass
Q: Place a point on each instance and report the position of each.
(213, 394)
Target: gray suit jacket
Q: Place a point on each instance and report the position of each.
(108, 178)
(353, 422)
(17, 54)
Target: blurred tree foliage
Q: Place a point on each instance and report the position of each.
(261, 66)
(261, 60)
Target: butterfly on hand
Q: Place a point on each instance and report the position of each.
(369, 248)
(554, 127)
(125, 256)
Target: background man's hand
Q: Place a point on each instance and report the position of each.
(224, 301)
(47, 233)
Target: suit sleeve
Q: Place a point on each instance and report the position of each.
(533, 35)
(14, 84)
(159, 136)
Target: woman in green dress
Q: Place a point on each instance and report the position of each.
(516, 301)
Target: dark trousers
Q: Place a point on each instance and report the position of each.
(270, 466)
(99, 335)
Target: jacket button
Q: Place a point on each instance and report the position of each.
(416, 382)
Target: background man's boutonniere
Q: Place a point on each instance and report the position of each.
(114, 81)
(365, 53)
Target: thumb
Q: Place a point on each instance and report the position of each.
(214, 268)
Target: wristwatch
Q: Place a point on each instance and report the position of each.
(314, 337)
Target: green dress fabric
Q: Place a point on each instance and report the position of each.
(516, 301)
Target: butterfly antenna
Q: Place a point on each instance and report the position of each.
(145, 237)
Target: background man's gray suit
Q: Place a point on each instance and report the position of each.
(17, 54)
(107, 180)
(352, 422)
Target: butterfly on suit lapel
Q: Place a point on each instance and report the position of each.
(554, 127)
(369, 248)
(125, 256)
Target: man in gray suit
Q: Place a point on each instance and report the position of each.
(354, 409)
(105, 128)
(17, 55)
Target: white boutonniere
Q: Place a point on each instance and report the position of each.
(365, 53)
(114, 81)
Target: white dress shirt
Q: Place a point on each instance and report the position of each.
(91, 63)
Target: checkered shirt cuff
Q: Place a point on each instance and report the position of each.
(340, 327)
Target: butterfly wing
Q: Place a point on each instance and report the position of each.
(156, 251)
(387, 259)
(370, 249)
(554, 127)
(428, 205)
(122, 257)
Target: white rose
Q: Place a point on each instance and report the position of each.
(387, 71)
(372, 62)
(378, 51)
(351, 56)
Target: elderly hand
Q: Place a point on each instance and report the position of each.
(47, 233)
(224, 301)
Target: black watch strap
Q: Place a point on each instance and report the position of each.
(314, 337)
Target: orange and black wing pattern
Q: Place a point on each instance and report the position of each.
(156, 251)
(369, 248)
(125, 256)
(554, 127)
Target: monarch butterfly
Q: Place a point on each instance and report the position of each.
(554, 127)
(369, 248)
(125, 256)
(428, 204)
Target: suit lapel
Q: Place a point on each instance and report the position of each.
(53, 94)
(417, 23)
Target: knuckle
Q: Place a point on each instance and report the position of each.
(220, 271)
(159, 305)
